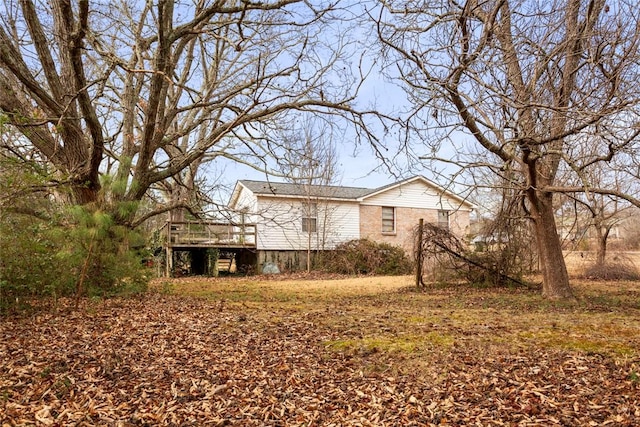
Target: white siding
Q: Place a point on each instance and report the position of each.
(415, 194)
(249, 202)
(280, 224)
(342, 224)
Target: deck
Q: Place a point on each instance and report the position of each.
(207, 234)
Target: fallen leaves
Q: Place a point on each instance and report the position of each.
(183, 361)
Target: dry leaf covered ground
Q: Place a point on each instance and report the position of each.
(343, 352)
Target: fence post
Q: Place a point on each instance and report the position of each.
(419, 254)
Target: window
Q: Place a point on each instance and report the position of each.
(309, 225)
(388, 220)
(443, 219)
(310, 218)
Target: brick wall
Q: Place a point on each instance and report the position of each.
(406, 221)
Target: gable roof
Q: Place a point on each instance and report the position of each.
(264, 188)
(356, 194)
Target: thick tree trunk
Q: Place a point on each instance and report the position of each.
(555, 279)
(601, 241)
(84, 194)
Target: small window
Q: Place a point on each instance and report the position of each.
(443, 219)
(309, 225)
(388, 220)
(309, 218)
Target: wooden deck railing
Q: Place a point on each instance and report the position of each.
(208, 234)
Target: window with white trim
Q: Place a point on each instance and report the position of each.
(443, 219)
(388, 219)
(310, 218)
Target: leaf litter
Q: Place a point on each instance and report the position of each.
(175, 360)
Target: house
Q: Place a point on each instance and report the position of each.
(292, 218)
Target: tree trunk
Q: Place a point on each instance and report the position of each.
(309, 249)
(555, 279)
(84, 194)
(601, 241)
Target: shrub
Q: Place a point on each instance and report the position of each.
(48, 250)
(82, 256)
(364, 256)
(101, 253)
(618, 270)
(28, 266)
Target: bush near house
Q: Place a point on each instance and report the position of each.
(363, 256)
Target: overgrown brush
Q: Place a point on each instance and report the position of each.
(616, 270)
(446, 258)
(364, 256)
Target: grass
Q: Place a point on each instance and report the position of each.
(394, 344)
(387, 315)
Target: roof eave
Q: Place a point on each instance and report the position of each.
(303, 197)
(235, 195)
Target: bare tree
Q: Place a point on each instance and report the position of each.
(150, 90)
(311, 162)
(602, 212)
(514, 86)
(22, 190)
(606, 214)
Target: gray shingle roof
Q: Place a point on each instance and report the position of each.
(289, 189)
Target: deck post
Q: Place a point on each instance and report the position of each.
(169, 262)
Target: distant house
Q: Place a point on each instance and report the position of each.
(292, 218)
